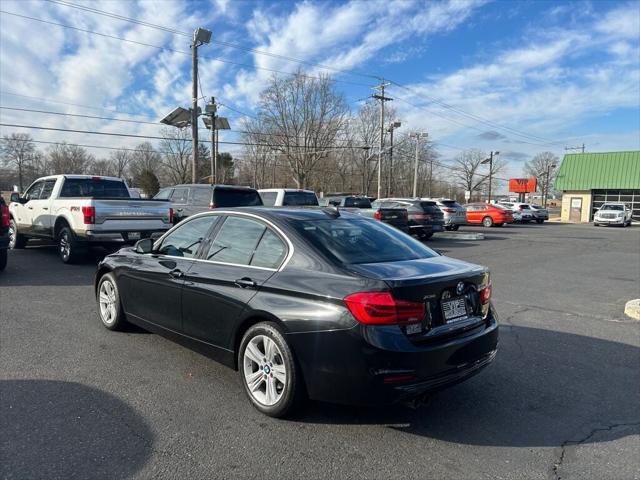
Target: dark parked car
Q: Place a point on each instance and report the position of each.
(4, 233)
(425, 217)
(307, 301)
(190, 199)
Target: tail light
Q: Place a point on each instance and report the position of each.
(171, 215)
(449, 210)
(381, 308)
(89, 214)
(212, 205)
(485, 294)
(377, 215)
(4, 216)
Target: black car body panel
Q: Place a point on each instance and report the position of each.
(207, 308)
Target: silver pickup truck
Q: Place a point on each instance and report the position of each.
(77, 211)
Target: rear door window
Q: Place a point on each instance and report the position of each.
(201, 196)
(300, 199)
(236, 197)
(180, 196)
(236, 241)
(270, 251)
(269, 198)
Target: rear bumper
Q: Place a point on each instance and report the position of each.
(117, 237)
(449, 221)
(380, 365)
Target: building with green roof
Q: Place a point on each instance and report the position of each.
(588, 180)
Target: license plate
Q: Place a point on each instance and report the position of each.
(454, 310)
(133, 235)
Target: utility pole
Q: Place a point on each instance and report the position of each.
(546, 188)
(392, 127)
(490, 162)
(212, 110)
(200, 37)
(417, 136)
(382, 99)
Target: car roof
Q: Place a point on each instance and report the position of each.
(291, 213)
(285, 190)
(206, 185)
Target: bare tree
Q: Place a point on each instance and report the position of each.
(303, 117)
(65, 158)
(176, 154)
(104, 167)
(120, 160)
(259, 156)
(144, 157)
(18, 151)
(469, 171)
(542, 167)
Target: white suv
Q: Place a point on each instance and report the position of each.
(613, 214)
(522, 212)
(283, 197)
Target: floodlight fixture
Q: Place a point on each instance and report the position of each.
(201, 36)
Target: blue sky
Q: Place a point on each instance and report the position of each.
(519, 77)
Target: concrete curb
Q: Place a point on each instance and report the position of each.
(632, 309)
(460, 236)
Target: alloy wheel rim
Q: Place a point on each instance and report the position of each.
(65, 245)
(12, 235)
(107, 300)
(264, 371)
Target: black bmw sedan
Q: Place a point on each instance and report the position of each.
(316, 303)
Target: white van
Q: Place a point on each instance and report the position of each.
(283, 197)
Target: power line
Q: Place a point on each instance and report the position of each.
(217, 42)
(151, 137)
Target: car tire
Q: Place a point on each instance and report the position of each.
(109, 305)
(596, 224)
(425, 236)
(539, 221)
(487, 222)
(3, 258)
(262, 347)
(499, 224)
(455, 228)
(68, 248)
(16, 240)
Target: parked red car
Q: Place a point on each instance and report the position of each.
(487, 214)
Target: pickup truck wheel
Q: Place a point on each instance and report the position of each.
(68, 248)
(3, 258)
(109, 306)
(16, 241)
(487, 222)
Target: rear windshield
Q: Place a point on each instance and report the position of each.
(451, 204)
(240, 197)
(300, 198)
(357, 202)
(430, 207)
(95, 188)
(350, 241)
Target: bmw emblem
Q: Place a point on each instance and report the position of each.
(460, 288)
(446, 294)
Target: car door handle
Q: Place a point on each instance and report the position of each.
(246, 282)
(30, 207)
(176, 273)
(45, 208)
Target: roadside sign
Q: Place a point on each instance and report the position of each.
(467, 195)
(522, 185)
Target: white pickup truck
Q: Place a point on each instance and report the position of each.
(78, 211)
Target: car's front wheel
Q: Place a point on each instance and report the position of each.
(539, 221)
(270, 376)
(455, 227)
(16, 240)
(109, 306)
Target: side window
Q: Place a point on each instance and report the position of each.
(201, 196)
(236, 241)
(180, 195)
(47, 189)
(270, 252)
(269, 198)
(164, 194)
(34, 192)
(185, 240)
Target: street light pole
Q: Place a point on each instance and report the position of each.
(417, 136)
(546, 188)
(490, 162)
(392, 127)
(194, 107)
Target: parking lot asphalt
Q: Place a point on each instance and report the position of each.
(560, 401)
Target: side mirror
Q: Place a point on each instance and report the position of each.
(15, 197)
(144, 246)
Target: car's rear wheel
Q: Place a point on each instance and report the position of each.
(269, 373)
(68, 248)
(16, 240)
(487, 222)
(455, 227)
(3, 258)
(539, 221)
(109, 306)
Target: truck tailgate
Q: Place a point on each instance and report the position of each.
(131, 214)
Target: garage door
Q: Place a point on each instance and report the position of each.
(630, 197)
